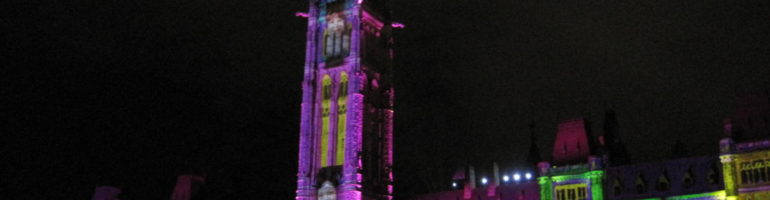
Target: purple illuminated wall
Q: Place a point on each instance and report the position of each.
(349, 37)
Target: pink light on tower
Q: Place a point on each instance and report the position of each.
(301, 14)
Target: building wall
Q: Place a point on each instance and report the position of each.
(528, 190)
(747, 170)
(740, 172)
(665, 180)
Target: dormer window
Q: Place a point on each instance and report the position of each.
(663, 183)
(641, 186)
(713, 176)
(617, 187)
(687, 180)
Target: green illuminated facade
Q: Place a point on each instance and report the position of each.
(711, 195)
(746, 169)
(571, 182)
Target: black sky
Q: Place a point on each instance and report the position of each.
(135, 93)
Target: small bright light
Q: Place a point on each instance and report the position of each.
(454, 185)
(484, 181)
(516, 177)
(528, 175)
(506, 178)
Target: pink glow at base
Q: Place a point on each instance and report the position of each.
(397, 25)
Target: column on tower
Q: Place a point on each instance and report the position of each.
(326, 93)
(342, 99)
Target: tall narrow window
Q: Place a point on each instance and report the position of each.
(759, 171)
(342, 101)
(337, 43)
(329, 41)
(582, 193)
(326, 95)
(744, 177)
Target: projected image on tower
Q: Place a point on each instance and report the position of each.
(336, 35)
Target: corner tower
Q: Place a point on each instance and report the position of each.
(346, 127)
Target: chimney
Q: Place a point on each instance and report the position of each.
(496, 172)
(187, 186)
(106, 193)
(470, 185)
(492, 188)
(727, 125)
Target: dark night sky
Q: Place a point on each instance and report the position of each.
(135, 93)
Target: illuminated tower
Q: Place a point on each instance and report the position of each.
(346, 128)
(575, 171)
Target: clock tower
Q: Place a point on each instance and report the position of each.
(346, 127)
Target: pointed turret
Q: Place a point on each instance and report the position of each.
(534, 153)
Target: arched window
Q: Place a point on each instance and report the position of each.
(342, 101)
(326, 95)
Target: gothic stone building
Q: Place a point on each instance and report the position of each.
(584, 167)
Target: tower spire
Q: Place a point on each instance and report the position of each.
(613, 145)
(534, 153)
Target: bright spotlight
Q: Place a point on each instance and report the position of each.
(516, 177)
(484, 181)
(528, 175)
(454, 185)
(506, 178)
